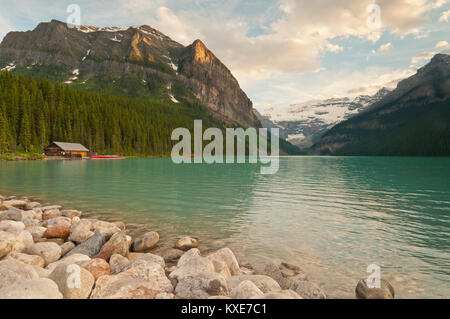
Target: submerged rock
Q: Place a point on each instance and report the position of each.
(146, 242)
(186, 243)
(386, 291)
(285, 274)
(171, 254)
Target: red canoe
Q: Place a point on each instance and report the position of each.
(107, 157)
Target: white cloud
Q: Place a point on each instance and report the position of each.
(445, 16)
(422, 58)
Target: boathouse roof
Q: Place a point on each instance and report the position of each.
(69, 146)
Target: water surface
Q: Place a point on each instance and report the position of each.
(333, 216)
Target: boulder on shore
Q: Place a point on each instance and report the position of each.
(186, 243)
(73, 281)
(90, 247)
(386, 291)
(40, 288)
(118, 244)
(51, 252)
(146, 242)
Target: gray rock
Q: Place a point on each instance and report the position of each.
(364, 292)
(246, 290)
(285, 274)
(90, 247)
(73, 281)
(66, 247)
(51, 252)
(13, 214)
(308, 290)
(146, 242)
(41, 288)
(264, 283)
(201, 286)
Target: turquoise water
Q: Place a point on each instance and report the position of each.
(332, 216)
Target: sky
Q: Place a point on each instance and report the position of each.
(281, 51)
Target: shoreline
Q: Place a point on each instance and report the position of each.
(44, 240)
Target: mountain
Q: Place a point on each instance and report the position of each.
(413, 120)
(305, 123)
(267, 123)
(128, 61)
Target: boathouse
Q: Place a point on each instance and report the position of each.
(66, 150)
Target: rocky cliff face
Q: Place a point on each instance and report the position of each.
(127, 60)
(414, 119)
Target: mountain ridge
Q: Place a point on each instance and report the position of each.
(131, 61)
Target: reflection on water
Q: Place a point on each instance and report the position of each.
(332, 216)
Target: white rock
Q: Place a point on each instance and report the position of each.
(264, 283)
(192, 263)
(246, 290)
(13, 271)
(201, 286)
(50, 251)
(73, 281)
(81, 231)
(225, 255)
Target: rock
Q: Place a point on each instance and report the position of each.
(4, 207)
(14, 242)
(285, 274)
(15, 203)
(192, 263)
(37, 232)
(116, 262)
(133, 256)
(107, 229)
(73, 281)
(186, 243)
(29, 222)
(225, 256)
(219, 297)
(13, 271)
(364, 292)
(11, 226)
(308, 290)
(51, 252)
(6, 243)
(59, 221)
(247, 271)
(264, 283)
(165, 295)
(90, 247)
(73, 259)
(124, 286)
(141, 278)
(116, 245)
(71, 213)
(41, 288)
(97, 267)
(146, 242)
(33, 260)
(283, 294)
(46, 208)
(171, 254)
(121, 225)
(201, 286)
(51, 213)
(246, 290)
(57, 232)
(66, 247)
(32, 205)
(12, 213)
(81, 231)
(58, 241)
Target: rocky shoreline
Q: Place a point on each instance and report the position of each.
(47, 252)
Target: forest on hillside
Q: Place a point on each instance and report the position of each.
(34, 112)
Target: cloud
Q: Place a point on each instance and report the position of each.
(445, 16)
(422, 58)
(384, 49)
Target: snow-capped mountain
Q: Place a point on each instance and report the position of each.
(305, 123)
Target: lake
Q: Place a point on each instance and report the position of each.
(333, 216)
